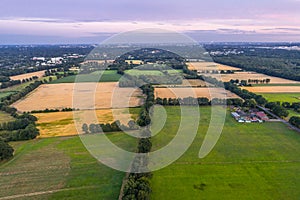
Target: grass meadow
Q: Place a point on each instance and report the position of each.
(5, 94)
(106, 76)
(137, 72)
(282, 97)
(4, 117)
(250, 161)
(60, 168)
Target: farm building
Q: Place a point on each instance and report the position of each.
(243, 117)
(262, 116)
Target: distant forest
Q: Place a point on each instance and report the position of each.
(271, 59)
(15, 60)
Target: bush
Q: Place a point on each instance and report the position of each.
(6, 151)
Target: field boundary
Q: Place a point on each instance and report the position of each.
(46, 192)
(239, 163)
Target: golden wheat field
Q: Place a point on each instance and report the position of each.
(254, 75)
(208, 66)
(28, 75)
(63, 123)
(209, 93)
(274, 89)
(80, 96)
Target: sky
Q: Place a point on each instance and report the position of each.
(92, 21)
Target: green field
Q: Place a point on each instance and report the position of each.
(107, 76)
(292, 113)
(250, 161)
(4, 117)
(60, 168)
(5, 94)
(282, 97)
(136, 72)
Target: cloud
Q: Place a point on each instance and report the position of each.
(214, 28)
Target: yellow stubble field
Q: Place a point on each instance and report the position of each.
(207, 66)
(80, 96)
(28, 75)
(274, 89)
(209, 93)
(63, 123)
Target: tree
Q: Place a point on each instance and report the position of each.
(85, 128)
(251, 103)
(6, 151)
(93, 128)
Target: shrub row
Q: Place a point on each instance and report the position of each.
(137, 185)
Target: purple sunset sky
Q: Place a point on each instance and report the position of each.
(91, 21)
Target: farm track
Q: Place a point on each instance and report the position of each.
(281, 120)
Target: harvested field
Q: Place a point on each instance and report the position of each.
(188, 83)
(208, 66)
(254, 75)
(62, 123)
(274, 89)
(194, 83)
(86, 96)
(209, 93)
(28, 75)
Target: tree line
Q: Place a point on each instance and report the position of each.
(23, 128)
(47, 110)
(6, 101)
(252, 99)
(109, 127)
(200, 101)
(11, 83)
(137, 185)
(295, 121)
(284, 68)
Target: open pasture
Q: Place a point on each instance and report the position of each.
(60, 168)
(80, 96)
(249, 161)
(282, 97)
(98, 76)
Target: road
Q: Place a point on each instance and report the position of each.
(281, 120)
